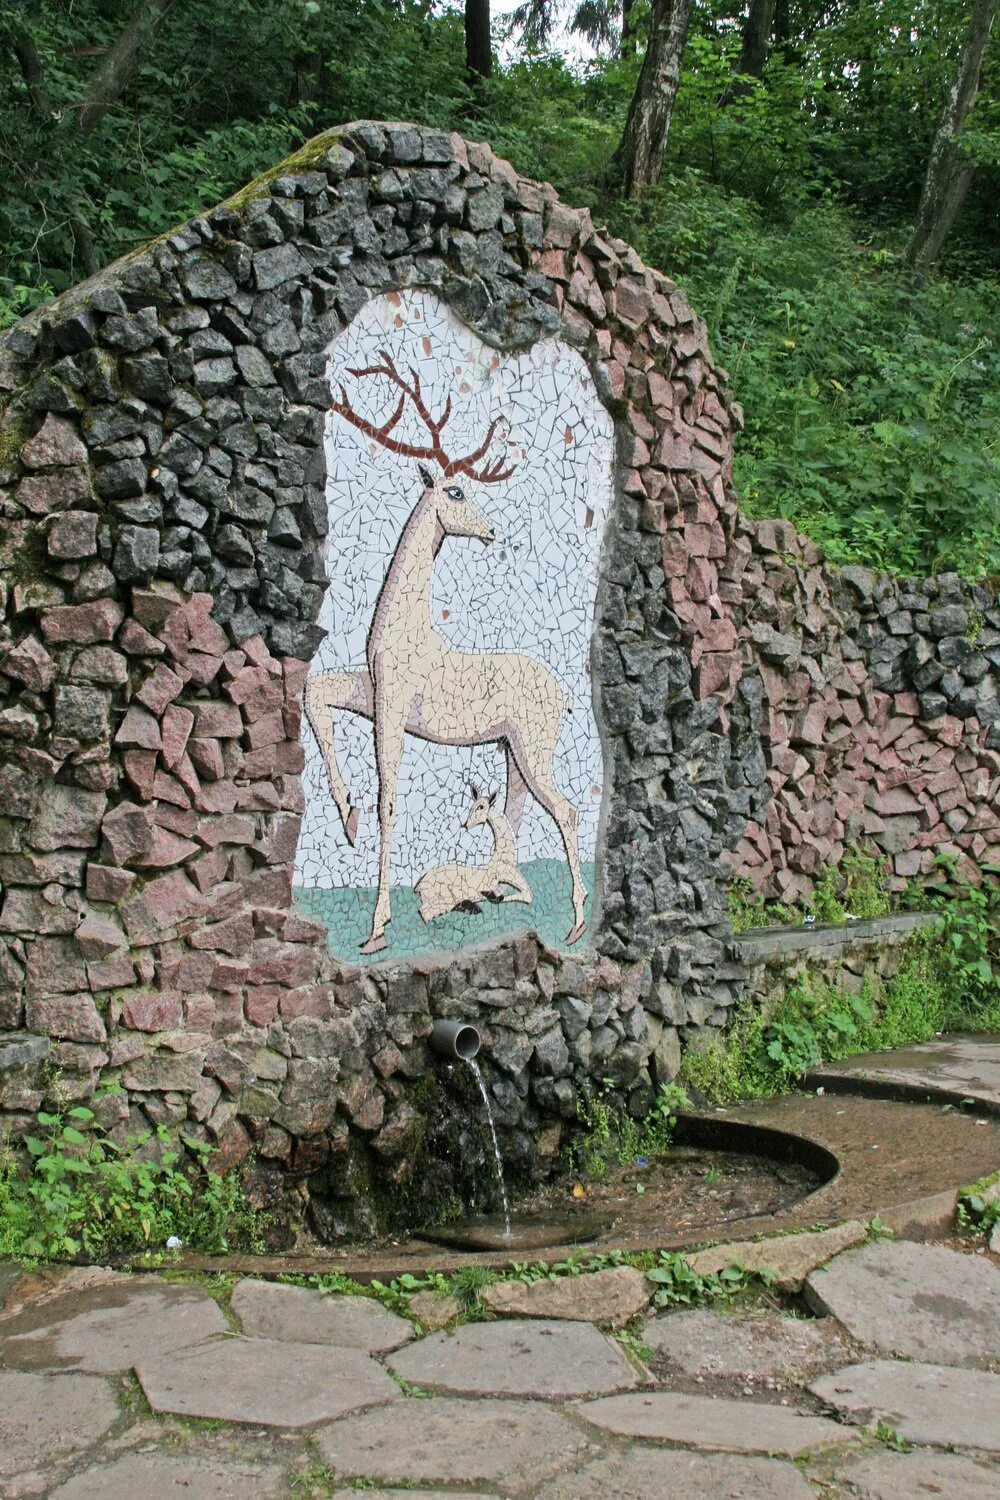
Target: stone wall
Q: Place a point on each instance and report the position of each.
(161, 474)
(775, 960)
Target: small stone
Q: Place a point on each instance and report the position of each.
(67, 818)
(935, 1405)
(546, 1360)
(915, 1301)
(263, 1381)
(56, 444)
(206, 280)
(72, 535)
(433, 1311)
(137, 552)
(614, 1296)
(508, 1443)
(82, 713)
(300, 1315)
(30, 663)
(83, 624)
(713, 1422)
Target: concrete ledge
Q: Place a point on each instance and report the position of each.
(825, 938)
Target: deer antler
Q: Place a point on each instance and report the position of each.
(491, 473)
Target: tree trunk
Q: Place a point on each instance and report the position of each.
(626, 47)
(756, 38)
(639, 159)
(948, 173)
(478, 54)
(119, 62)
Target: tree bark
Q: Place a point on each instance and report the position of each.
(948, 173)
(626, 47)
(639, 159)
(756, 38)
(478, 53)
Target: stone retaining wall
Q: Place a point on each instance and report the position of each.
(161, 482)
(775, 960)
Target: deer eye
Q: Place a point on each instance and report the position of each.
(454, 493)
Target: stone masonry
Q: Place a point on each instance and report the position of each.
(161, 484)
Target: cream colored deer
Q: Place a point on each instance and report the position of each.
(453, 887)
(416, 683)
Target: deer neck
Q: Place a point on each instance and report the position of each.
(504, 851)
(402, 618)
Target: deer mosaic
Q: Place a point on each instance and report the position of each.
(449, 888)
(414, 682)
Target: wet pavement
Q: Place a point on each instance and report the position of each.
(873, 1372)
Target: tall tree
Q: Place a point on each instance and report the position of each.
(639, 159)
(478, 52)
(756, 38)
(949, 172)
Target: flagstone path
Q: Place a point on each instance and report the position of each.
(871, 1370)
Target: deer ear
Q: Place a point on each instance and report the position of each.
(426, 476)
(475, 790)
(493, 797)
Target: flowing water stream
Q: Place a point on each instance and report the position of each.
(496, 1148)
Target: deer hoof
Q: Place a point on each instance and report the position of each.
(576, 933)
(373, 945)
(351, 826)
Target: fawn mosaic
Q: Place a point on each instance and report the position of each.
(454, 773)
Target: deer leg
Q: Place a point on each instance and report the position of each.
(517, 793)
(522, 890)
(537, 773)
(327, 691)
(389, 732)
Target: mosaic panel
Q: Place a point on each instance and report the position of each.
(454, 772)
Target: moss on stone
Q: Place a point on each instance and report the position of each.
(302, 160)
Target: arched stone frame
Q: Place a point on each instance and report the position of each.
(163, 479)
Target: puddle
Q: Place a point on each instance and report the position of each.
(690, 1188)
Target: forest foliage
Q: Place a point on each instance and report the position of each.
(784, 207)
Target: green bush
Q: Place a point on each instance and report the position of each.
(83, 1195)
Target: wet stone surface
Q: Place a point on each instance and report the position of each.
(300, 1315)
(45, 1418)
(641, 1473)
(106, 1328)
(265, 1381)
(707, 1422)
(544, 1359)
(755, 1347)
(160, 1476)
(925, 1404)
(915, 1301)
(514, 1443)
(891, 1476)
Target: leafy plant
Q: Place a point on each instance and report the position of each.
(679, 1285)
(84, 1194)
(611, 1137)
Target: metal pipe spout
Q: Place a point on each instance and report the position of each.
(456, 1039)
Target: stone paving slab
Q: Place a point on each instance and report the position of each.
(715, 1424)
(760, 1345)
(967, 1066)
(49, 1417)
(449, 1441)
(916, 1301)
(789, 1257)
(615, 1297)
(913, 1476)
(162, 1476)
(301, 1315)
(658, 1474)
(408, 1495)
(104, 1329)
(542, 1359)
(926, 1404)
(265, 1381)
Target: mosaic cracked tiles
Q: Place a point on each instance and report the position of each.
(454, 771)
